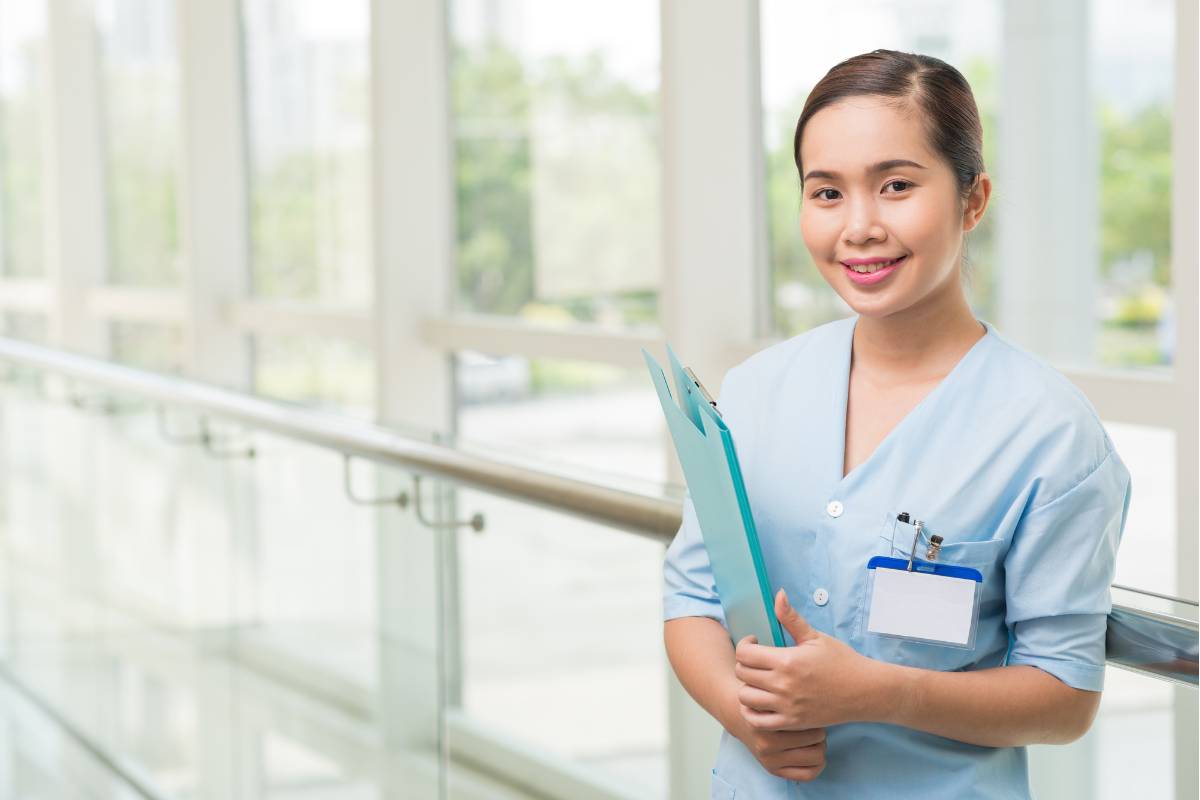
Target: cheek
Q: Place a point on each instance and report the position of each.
(922, 227)
(819, 232)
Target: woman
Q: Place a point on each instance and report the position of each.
(911, 406)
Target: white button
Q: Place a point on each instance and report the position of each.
(820, 597)
(834, 509)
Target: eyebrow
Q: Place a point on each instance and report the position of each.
(882, 166)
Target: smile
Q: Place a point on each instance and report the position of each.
(867, 274)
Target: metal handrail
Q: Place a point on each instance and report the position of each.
(654, 517)
(1152, 643)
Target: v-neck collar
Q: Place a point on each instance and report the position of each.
(842, 399)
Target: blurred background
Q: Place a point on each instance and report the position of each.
(451, 225)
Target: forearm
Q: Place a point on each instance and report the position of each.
(701, 654)
(999, 707)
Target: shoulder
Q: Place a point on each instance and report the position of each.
(816, 349)
(1047, 415)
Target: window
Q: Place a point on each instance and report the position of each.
(141, 96)
(556, 164)
(307, 95)
(148, 345)
(1131, 59)
(22, 86)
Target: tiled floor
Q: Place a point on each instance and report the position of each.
(182, 718)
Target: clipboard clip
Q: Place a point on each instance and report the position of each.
(703, 392)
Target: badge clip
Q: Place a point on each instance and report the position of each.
(919, 525)
(935, 544)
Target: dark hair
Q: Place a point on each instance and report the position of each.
(939, 92)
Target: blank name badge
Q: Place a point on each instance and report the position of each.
(935, 603)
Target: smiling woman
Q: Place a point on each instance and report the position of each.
(1031, 505)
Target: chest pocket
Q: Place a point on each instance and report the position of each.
(985, 555)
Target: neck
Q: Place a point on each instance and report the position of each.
(920, 343)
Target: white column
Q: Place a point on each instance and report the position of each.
(1185, 289)
(1048, 141)
(214, 228)
(713, 245)
(213, 199)
(413, 255)
(1048, 220)
(76, 216)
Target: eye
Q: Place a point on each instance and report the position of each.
(905, 183)
(820, 192)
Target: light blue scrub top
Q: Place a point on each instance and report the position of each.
(1004, 458)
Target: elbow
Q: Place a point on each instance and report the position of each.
(1079, 711)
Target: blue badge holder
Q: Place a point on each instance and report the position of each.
(927, 568)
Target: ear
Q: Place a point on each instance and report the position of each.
(977, 202)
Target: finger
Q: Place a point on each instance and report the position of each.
(809, 756)
(765, 720)
(761, 678)
(791, 740)
(791, 620)
(756, 655)
(759, 700)
(803, 774)
(744, 643)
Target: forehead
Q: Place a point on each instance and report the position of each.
(858, 131)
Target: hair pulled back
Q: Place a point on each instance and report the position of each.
(938, 91)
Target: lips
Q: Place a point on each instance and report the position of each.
(859, 262)
(870, 278)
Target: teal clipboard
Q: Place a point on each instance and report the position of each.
(714, 478)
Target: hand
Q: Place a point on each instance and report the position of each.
(795, 755)
(821, 681)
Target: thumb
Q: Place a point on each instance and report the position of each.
(791, 620)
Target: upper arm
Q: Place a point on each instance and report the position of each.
(1058, 571)
(689, 589)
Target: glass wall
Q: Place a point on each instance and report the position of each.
(307, 93)
(140, 73)
(598, 420)
(22, 99)
(148, 345)
(307, 98)
(331, 373)
(1131, 60)
(556, 160)
(558, 208)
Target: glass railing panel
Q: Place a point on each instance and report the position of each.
(1135, 725)
(308, 560)
(572, 415)
(561, 650)
(205, 619)
(1146, 559)
(42, 762)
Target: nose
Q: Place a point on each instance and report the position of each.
(862, 221)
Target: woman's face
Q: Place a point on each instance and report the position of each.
(854, 209)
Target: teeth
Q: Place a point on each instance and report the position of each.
(867, 269)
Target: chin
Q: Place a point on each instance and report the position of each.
(880, 305)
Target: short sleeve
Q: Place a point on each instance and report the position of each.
(1058, 572)
(689, 589)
